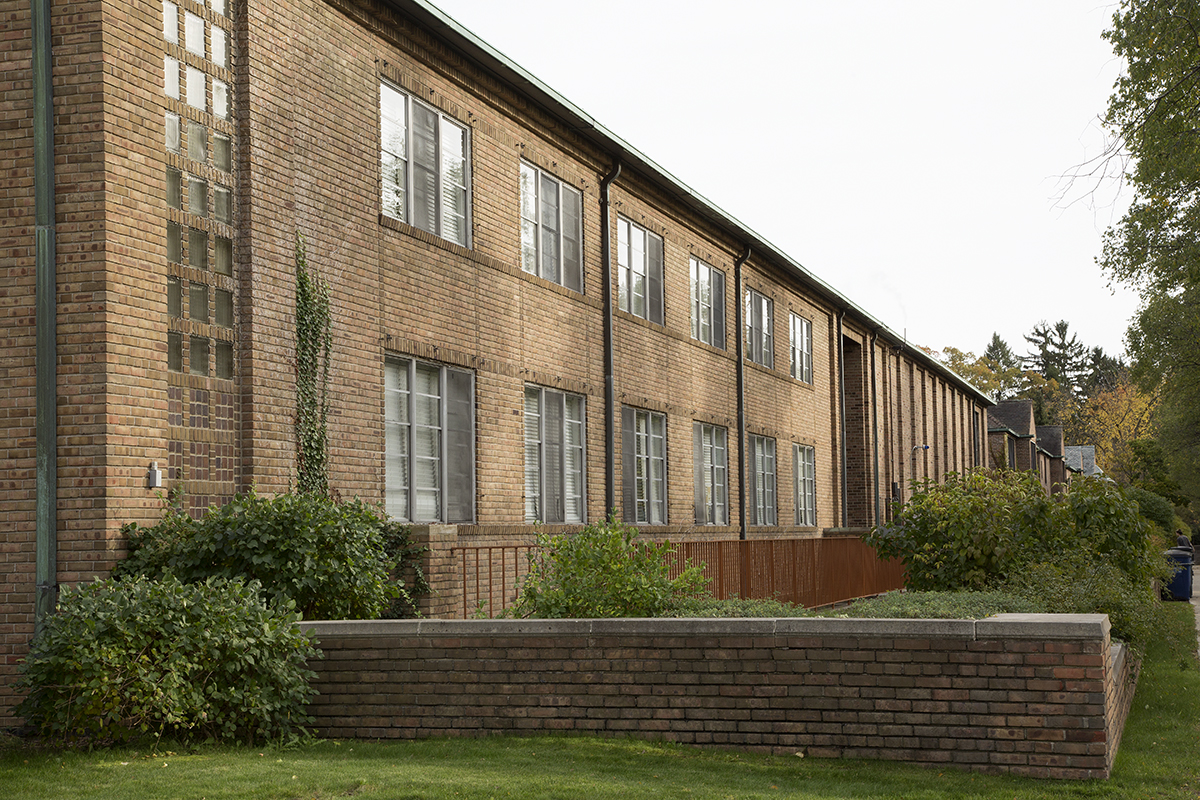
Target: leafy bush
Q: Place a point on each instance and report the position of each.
(408, 578)
(1155, 508)
(968, 531)
(127, 659)
(334, 560)
(602, 572)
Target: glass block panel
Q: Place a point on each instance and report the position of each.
(174, 298)
(171, 77)
(174, 243)
(224, 255)
(220, 98)
(172, 138)
(222, 153)
(198, 352)
(198, 302)
(194, 33)
(197, 249)
(174, 352)
(218, 46)
(170, 22)
(197, 142)
(225, 360)
(174, 188)
(217, 6)
(198, 196)
(224, 308)
(222, 205)
(196, 97)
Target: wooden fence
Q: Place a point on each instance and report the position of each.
(808, 572)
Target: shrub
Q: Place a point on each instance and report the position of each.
(602, 572)
(121, 660)
(332, 559)
(710, 607)
(1155, 508)
(937, 605)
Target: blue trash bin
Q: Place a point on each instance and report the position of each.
(1180, 585)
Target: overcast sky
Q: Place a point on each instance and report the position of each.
(908, 153)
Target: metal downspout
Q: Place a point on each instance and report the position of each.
(610, 396)
(841, 351)
(46, 557)
(740, 337)
(875, 430)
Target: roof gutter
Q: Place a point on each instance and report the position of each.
(46, 555)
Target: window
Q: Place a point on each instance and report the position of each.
(801, 346)
(551, 214)
(171, 77)
(805, 471)
(193, 30)
(762, 480)
(196, 91)
(760, 341)
(170, 22)
(429, 433)
(554, 456)
(640, 271)
(708, 304)
(710, 457)
(644, 466)
(423, 158)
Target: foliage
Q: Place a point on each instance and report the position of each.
(1112, 418)
(977, 529)
(1057, 355)
(1078, 582)
(404, 557)
(967, 531)
(314, 340)
(936, 605)
(122, 660)
(331, 559)
(602, 571)
(1155, 508)
(710, 607)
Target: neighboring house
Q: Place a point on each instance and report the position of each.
(1082, 459)
(533, 322)
(1015, 442)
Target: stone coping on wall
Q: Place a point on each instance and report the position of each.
(1042, 695)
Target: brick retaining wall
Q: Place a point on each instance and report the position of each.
(1029, 694)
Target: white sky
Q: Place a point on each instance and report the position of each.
(908, 153)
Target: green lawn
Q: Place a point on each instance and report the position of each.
(1159, 758)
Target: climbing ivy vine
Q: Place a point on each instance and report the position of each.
(314, 339)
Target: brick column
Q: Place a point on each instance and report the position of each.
(441, 570)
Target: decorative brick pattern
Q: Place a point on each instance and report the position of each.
(1036, 695)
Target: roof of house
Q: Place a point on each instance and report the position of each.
(586, 126)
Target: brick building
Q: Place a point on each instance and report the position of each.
(532, 321)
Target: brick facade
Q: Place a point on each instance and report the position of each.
(303, 123)
(1035, 695)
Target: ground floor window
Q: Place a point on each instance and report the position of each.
(644, 468)
(554, 456)
(710, 457)
(761, 452)
(805, 472)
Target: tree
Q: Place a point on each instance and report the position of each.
(1112, 419)
(1058, 355)
(1005, 367)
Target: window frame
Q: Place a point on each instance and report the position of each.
(698, 269)
(804, 483)
(710, 464)
(538, 476)
(639, 460)
(801, 357)
(649, 260)
(760, 338)
(411, 161)
(566, 272)
(455, 491)
(763, 473)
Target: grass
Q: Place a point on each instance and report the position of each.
(1159, 758)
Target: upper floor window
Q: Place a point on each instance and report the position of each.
(801, 347)
(551, 219)
(423, 158)
(640, 270)
(709, 460)
(760, 340)
(804, 471)
(644, 468)
(708, 304)
(761, 452)
(429, 442)
(554, 458)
